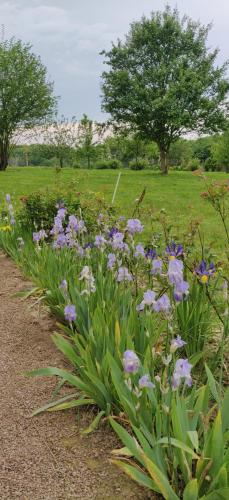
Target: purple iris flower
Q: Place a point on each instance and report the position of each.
(8, 198)
(117, 241)
(112, 232)
(131, 362)
(60, 242)
(88, 245)
(174, 250)
(61, 213)
(177, 343)
(162, 304)
(36, 237)
(100, 241)
(156, 266)
(181, 290)
(73, 224)
(140, 252)
(175, 271)
(70, 313)
(123, 274)
(204, 272)
(145, 381)
(40, 235)
(148, 300)
(111, 261)
(64, 285)
(134, 226)
(57, 226)
(181, 372)
(151, 253)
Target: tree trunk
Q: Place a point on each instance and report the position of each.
(164, 161)
(3, 157)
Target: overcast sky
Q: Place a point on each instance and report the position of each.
(69, 35)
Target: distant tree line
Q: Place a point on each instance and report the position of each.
(123, 151)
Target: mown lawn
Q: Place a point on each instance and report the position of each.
(178, 193)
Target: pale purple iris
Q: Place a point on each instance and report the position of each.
(181, 372)
(174, 250)
(61, 213)
(100, 241)
(8, 198)
(117, 241)
(156, 266)
(79, 250)
(70, 313)
(181, 290)
(39, 236)
(131, 362)
(36, 237)
(148, 300)
(134, 226)
(149, 297)
(175, 271)
(57, 226)
(64, 285)
(140, 252)
(177, 343)
(162, 304)
(60, 242)
(111, 261)
(124, 275)
(145, 381)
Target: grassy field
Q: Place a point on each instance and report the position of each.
(178, 193)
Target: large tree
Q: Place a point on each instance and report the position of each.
(163, 81)
(26, 96)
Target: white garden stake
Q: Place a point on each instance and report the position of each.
(116, 187)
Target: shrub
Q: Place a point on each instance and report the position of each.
(210, 165)
(139, 164)
(39, 209)
(103, 164)
(193, 164)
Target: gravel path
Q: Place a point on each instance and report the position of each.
(44, 457)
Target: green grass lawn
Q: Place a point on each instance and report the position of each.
(178, 193)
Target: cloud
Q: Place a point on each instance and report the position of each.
(70, 34)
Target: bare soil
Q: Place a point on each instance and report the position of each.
(45, 457)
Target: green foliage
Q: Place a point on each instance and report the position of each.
(138, 164)
(113, 163)
(163, 80)
(221, 151)
(191, 462)
(25, 94)
(39, 209)
(193, 164)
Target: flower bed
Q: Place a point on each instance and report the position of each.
(139, 323)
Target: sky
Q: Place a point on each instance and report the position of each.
(70, 34)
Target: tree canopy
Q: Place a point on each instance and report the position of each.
(26, 95)
(163, 81)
